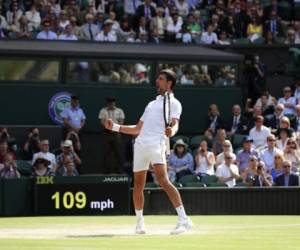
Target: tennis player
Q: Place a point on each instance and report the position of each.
(150, 148)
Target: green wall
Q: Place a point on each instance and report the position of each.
(28, 104)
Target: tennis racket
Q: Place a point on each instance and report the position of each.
(167, 118)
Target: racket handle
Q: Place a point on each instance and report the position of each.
(168, 150)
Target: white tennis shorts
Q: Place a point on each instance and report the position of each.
(144, 155)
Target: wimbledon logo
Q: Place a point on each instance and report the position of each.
(57, 104)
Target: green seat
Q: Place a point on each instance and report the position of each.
(151, 185)
(177, 137)
(259, 41)
(290, 116)
(237, 141)
(194, 184)
(195, 141)
(240, 184)
(209, 179)
(177, 184)
(216, 184)
(24, 167)
(242, 41)
(189, 178)
(279, 40)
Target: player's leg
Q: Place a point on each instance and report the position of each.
(138, 200)
(184, 223)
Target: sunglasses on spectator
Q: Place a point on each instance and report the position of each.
(225, 145)
(228, 158)
(278, 157)
(271, 139)
(291, 143)
(286, 166)
(253, 159)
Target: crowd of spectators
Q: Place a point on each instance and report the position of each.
(154, 21)
(267, 152)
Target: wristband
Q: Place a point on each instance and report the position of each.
(116, 127)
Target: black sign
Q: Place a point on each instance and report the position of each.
(64, 196)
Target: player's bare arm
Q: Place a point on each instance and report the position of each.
(125, 129)
(172, 130)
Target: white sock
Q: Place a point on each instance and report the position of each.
(139, 214)
(181, 212)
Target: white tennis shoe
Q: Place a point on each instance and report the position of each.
(140, 227)
(182, 226)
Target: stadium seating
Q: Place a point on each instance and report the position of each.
(189, 178)
(24, 167)
(177, 137)
(195, 141)
(209, 179)
(237, 141)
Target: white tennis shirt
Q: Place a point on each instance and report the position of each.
(153, 129)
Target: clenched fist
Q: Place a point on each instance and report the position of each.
(109, 124)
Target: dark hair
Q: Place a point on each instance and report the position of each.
(170, 76)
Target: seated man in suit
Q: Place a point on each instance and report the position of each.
(273, 121)
(287, 179)
(238, 123)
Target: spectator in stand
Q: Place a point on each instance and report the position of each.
(230, 27)
(283, 136)
(68, 34)
(254, 29)
(227, 172)
(130, 7)
(292, 154)
(44, 152)
(219, 141)
(126, 33)
(297, 89)
(13, 15)
(115, 25)
(181, 162)
(227, 147)
(186, 35)
(142, 30)
(277, 169)
(296, 121)
(33, 17)
(296, 27)
(46, 33)
(112, 141)
(291, 38)
(269, 38)
(31, 146)
(106, 35)
(274, 120)
(215, 22)
(204, 160)
(250, 171)
(194, 28)
(223, 39)
(41, 167)
(73, 116)
(56, 9)
(99, 21)
(159, 23)
(209, 37)
(9, 169)
(4, 135)
(273, 25)
(23, 29)
(262, 178)
(146, 10)
(75, 28)
(267, 155)
(182, 7)
(89, 30)
(238, 122)
(287, 179)
(259, 133)
(63, 21)
(4, 150)
(267, 103)
(244, 155)
(214, 120)
(3, 23)
(289, 102)
(251, 114)
(257, 81)
(68, 153)
(174, 28)
(286, 125)
(273, 7)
